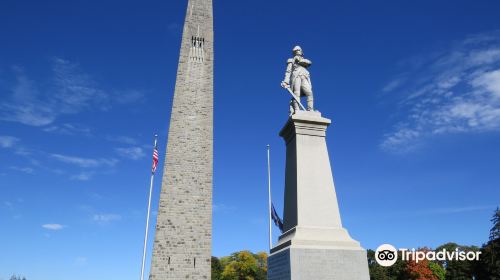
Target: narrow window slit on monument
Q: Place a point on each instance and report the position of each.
(194, 262)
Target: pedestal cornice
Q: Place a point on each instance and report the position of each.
(304, 123)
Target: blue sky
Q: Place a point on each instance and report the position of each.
(412, 88)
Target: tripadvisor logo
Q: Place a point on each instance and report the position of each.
(387, 255)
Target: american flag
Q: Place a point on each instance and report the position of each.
(155, 159)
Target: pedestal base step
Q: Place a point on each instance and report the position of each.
(318, 264)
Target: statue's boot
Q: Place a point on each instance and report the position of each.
(296, 107)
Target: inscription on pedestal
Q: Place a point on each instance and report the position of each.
(279, 266)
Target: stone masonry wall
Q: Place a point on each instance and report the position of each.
(182, 246)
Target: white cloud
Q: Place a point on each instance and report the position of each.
(106, 218)
(489, 81)
(8, 141)
(455, 210)
(28, 105)
(22, 151)
(27, 170)
(81, 261)
(83, 176)
(13, 204)
(220, 207)
(8, 204)
(392, 85)
(399, 138)
(68, 90)
(53, 226)
(76, 90)
(457, 91)
(96, 196)
(486, 56)
(122, 139)
(129, 96)
(85, 162)
(68, 129)
(132, 152)
(25, 105)
(447, 83)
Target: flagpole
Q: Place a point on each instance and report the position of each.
(147, 217)
(269, 194)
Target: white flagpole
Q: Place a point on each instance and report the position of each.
(147, 218)
(269, 194)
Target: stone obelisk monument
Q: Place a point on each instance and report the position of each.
(314, 245)
(182, 246)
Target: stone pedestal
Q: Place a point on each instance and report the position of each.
(314, 244)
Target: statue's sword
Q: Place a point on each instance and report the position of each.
(294, 97)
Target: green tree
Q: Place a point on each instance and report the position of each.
(457, 269)
(216, 268)
(377, 272)
(489, 261)
(262, 265)
(495, 230)
(242, 266)
(437, 270)
(224, 261)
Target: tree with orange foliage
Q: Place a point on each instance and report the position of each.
(420, 270)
